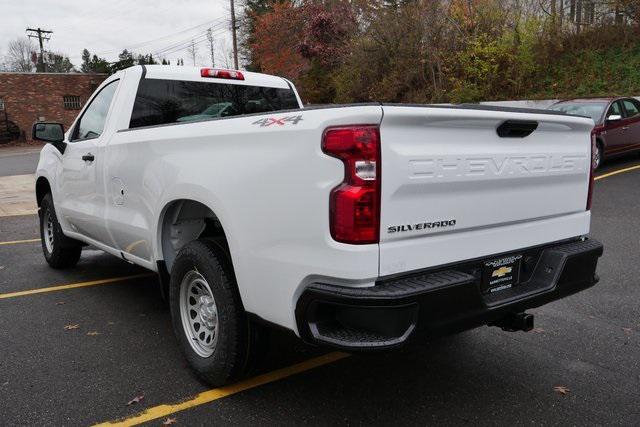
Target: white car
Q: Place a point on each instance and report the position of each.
(356, 226)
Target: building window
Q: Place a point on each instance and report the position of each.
(71, 102)
(1, 104)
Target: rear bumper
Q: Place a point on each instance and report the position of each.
(441, 301)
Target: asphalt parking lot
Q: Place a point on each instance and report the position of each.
(75, 348)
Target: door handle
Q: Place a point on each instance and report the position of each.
(88, 157)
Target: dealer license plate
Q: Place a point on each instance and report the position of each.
(501, 274)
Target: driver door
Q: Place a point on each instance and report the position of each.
(632, 122)
(82, 189)
(616, 134)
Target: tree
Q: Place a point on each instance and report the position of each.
(273, 49)
(192, 50)
(146, 59)
(253, 10)
(100, 65)
(85, 67)
(19, 55)
(57, 62)
(94, 64)
(125, 60)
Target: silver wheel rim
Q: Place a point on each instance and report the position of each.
(199, 313)
(47, 229)
(596, 157)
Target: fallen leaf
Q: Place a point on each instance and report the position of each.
(135, 400)
(70, 327)
(169, 421)
(60, 303)
(93, 333)
(561, 390)
(111, 323)
(627, 330)
(537, 330)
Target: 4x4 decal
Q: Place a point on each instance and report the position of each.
(278, 121)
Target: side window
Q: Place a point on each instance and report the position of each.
(632, 106)
(161, 102)
(615, 110)
(91, 124)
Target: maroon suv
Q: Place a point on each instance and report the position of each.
(617, 120)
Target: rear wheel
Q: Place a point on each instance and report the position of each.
(208, 319)
(59, 250)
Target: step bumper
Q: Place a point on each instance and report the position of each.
(441, 301)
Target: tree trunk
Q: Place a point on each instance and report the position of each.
(572, 11)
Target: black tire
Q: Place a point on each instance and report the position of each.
(235, 350)
(599, 156)
(63, 252)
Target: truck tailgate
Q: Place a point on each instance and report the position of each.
(453, 189)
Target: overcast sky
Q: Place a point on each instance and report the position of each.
(105, 27)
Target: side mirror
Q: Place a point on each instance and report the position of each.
(52, 133)
(614, 118)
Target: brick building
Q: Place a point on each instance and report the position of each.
(29, 97)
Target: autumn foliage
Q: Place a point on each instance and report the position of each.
(446, 50)
(276, 36)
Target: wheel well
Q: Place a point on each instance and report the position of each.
(42, 189)
(184, 221)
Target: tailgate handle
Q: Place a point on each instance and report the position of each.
(516, 128)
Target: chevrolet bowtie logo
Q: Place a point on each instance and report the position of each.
(501, 271)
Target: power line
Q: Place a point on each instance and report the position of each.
(138, 45)
(179, 45)
(215, 23)
(40, 34)
(186, 42)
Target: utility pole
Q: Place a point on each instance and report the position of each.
(233, 32)
(212, 47)
(40, 34)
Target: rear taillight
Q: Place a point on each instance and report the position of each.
(221, 74)
(593, 153)
(354, 207)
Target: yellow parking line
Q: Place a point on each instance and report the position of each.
(73, 286)
(619, 171)
(15, 242)
(218, 393)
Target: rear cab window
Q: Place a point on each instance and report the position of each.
(160, 101)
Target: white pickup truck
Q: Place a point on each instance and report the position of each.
(355, 226)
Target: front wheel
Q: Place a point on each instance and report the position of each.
(597, 156)
(207, 314)
(59, 250)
